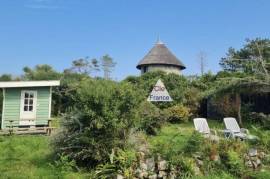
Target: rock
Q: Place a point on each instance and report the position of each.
(154, 176)
(150, 163)
(143, 166)
(255, 165)
(162, 174)
(199, 162)
(197, 171)
(172, 175)
(254, 158)
(262, 155)
(162, 165)
(145, 174)
(141, 156)
(119, 176)
(258, 162)
(139, 173)
(252, 152)
(248, 164)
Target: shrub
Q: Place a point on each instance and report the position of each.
(258, 175)
(234, 163)
(150, 118)
(194, 143)
(100, 121)
(63, 164)
(178, 113)
(260, 118)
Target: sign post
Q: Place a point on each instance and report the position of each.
(159, 93)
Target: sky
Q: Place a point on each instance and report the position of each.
(56, 32)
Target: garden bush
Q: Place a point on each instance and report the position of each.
(150, 118)
(99, 122)
(178, 113)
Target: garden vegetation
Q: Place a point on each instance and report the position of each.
(106, 126)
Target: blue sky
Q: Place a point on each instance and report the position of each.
(56, 32)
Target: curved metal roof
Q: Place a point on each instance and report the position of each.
(160, 55)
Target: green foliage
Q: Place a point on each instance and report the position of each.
(187, 166)
(194, 143)
(107, 65)
(83, 66)
(264, 140)
(6, 77)
(40, 72)
(176, 86)
(246, 59)
(178, 113)
(100, 121)
(63, 164)
(234, 163)
(150, 118)
(121, 162)
(29, 156)
(258, 175)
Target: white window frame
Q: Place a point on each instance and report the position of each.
(28, 118)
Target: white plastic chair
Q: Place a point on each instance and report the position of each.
(233, 130)
(202, 127)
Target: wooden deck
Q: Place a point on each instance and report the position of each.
(30, 130)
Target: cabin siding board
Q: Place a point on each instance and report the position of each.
(12, 105)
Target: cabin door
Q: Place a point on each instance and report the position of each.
(28, 107)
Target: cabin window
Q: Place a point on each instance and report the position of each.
(28, 101)
(144, 69)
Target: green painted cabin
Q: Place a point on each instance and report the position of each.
(26, 104)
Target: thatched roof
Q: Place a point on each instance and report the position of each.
(160, 55)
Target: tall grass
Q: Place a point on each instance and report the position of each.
(28, 157)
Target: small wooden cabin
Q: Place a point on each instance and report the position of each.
(26, 103)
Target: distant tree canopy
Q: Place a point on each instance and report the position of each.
(40, 72)
(6, 77)
(252, 58)
(107, 65)
(84, 66)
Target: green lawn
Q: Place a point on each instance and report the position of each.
(176, 135)
(29, 157)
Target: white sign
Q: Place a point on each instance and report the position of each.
(159, 93)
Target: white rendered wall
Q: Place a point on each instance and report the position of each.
(167, 69)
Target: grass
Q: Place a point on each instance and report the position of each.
(172, 139)
(178, 134)
(29, 157)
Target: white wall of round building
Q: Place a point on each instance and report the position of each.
(165, 68)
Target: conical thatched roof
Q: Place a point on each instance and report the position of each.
(160, 55)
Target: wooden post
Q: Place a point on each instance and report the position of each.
(238, 102)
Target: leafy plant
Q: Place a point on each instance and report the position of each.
(178, 113)
(63, 164)
(100, 121)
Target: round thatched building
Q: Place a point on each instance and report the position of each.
(160, 58)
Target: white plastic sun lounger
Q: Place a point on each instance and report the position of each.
(233, 130)
(202, 127)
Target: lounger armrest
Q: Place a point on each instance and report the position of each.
(243, 130)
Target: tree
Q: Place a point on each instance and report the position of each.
(40, 72)
(5, 77)
(84, 66)
(107, 65)
(202, 61)
(254, 57)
